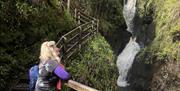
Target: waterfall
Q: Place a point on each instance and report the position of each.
(125, 60)
(129, 12)
(126, 57)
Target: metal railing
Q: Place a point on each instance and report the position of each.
(72, 41)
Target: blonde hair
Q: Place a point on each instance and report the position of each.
(47, 51)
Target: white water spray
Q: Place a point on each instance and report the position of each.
(125, 60)
(126, 57)
(129, 12)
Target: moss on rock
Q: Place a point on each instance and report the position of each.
(163, 49)
(165, 15)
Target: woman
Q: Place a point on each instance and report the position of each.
(49, 68)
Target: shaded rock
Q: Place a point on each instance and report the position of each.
(166, 77)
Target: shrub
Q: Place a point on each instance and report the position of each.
(23, 28)
(95, 65)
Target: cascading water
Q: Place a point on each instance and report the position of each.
(126, 57)
(129, 12)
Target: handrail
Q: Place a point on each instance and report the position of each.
(64, 36)
(72, 41)
(61, 38)
(90, 17)
(77, 32)
(76, 28)
(78, 86)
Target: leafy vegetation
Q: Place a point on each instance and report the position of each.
(109, 12)
(23, 28)
(95, 65)
(165, 15)
(158, 62)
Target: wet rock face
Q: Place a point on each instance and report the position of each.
(118, 40)
(167, 77)
(140, 76)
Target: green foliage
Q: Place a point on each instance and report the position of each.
(95, 65)
(165, 46)
(23, 28)
(109, 13)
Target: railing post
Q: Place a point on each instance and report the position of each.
(64, 46)
(75, 13)
(68, 6)
(79, 22)
(97, 25)
(92, 24)
(80, 36)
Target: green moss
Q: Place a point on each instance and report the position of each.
(167, 23)
(166, 19)
(95, 65)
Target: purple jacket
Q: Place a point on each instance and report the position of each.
(49, 73)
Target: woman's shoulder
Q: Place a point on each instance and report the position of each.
(51, 65)
(52, 62)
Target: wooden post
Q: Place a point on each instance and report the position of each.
(78, 16)
(78, 86)
(64, 46)
(92, 25)
(97, 27)
(75, 13)
(80, 36)
(68, 6)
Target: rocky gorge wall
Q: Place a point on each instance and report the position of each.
(157, 66)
